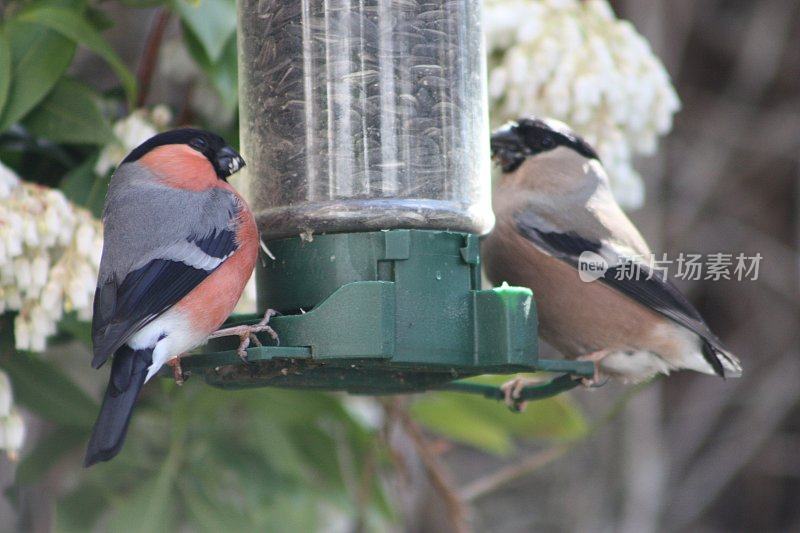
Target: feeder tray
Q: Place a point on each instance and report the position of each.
(384, 312)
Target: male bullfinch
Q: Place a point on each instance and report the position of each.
(179, 246)
(555, 211)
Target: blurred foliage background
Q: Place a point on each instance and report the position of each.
(82, 82)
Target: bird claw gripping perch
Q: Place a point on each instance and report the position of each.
(246, 333)
(596, 380)
(512, 392)
(178, 374)
(517, 392)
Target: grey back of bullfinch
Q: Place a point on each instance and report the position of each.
(553, 203)
(179, 246)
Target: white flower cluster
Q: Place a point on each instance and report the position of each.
(129, 133)
(575, 61)
(12, 426)
(49, 256)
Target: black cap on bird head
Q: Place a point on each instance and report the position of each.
(223, 158)
(527, 137)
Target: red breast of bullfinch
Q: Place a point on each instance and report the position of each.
(179, 246)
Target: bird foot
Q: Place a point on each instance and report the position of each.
(512, 390)
(177, 371)
(597, 380)
(247, 333)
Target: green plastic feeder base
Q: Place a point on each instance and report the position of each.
(384, 312)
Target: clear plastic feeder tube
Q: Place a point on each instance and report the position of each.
(364, 114)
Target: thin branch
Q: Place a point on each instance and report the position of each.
(395, 456)
(488, 484)
(144, 74)
(364, 491)
(186, 115)
(496, 480)
(456, 511)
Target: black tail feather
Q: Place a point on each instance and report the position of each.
(128, 372)
(723, 362)
(710, 355)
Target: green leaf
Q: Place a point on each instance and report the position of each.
(211, 21)
(490, 425)
(43, 388)
(298, 511)
(274, 445)
(7, 347)
(557, 418)
(73, 26)
(211, 514)
(98, 18)
(78, 329)
(5, 69)
(223, 74)
(39, 57)
(47, 453)
(70, 114)
(446, 415)
(316, 446)
(85, 188)
(141, 4)
(149, 508)
(79, 510)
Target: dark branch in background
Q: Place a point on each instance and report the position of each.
(144, 74)
(490, 483)
(456, 510)
(397, 459)
(186, 116)
(498, 479)
(364, 491)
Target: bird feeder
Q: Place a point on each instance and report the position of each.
(365, 130)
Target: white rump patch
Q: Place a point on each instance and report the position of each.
(170, 335)
(635, 366)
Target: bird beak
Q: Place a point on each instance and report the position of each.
(507, 148)
(228, 162)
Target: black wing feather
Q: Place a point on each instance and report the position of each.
(146, 293)
(656, 293)
(565, 243)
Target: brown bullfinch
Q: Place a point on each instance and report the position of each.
(179, 246)
(556, 215)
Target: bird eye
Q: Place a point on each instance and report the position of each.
(548, 142)
(199, 143)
